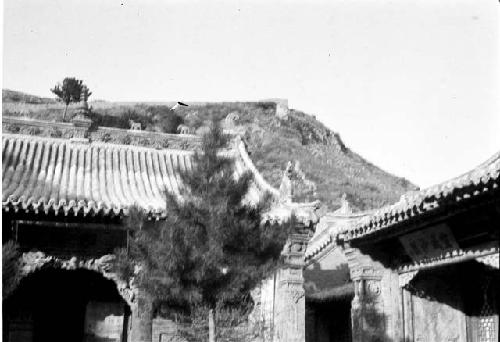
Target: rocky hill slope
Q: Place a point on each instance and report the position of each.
(20, 97)
(272, 141)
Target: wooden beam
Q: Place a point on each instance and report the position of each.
(70, 225)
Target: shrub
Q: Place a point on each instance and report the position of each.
(33, 130)
(13, 128)
(55, 133)
(126, 140)
(144, 142)
(106, 137)
(167, 120)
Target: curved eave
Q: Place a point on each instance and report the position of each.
(52, 175)
(61, 209)
(326, 232)
(43, 175)
(482, 182)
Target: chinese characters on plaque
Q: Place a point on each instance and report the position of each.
(429, 243)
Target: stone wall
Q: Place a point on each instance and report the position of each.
(165, 330)
(263, 314)
(282, 108)
(105, 322)
(280, 310)
(422, 306)
(435, 321)
(433, 304)
(101, 134)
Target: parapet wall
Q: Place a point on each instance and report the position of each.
(99, 134)
(282, 109)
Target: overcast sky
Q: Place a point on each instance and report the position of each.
(413, 86)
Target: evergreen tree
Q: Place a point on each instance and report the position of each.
(213, 247)
(69, 91)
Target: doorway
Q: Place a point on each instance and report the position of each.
(65, 305)
(329, 321)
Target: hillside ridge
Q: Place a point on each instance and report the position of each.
(272, 141)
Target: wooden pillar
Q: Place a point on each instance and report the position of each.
(289, 314)
(141, 322)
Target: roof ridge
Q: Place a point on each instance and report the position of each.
(81, 178)
(261, 182)
(89, 144)
(482, 179)
(480, 167)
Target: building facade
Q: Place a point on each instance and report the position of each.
(422, 269)
(66, 191)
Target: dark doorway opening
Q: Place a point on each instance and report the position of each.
(61, 305)
(329, 321)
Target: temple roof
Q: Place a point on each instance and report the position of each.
(81, 177)
(481, 182)
(328, 227)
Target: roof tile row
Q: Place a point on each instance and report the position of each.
(485, 179)
(43, 174)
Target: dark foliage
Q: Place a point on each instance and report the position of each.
(102, 118)
(213, 248)
(165, 118)
(69, 91)
(11, 268)
(152, 118)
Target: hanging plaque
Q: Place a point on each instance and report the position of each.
(429, 243)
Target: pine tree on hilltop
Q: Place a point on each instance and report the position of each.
(213, 248)
(70, 91)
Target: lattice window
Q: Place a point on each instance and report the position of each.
(487, 325)
(487, 329)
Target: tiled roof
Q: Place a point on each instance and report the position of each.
(43, 174)
(482, 181)
(328, 227)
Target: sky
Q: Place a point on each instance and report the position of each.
(412, 86)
